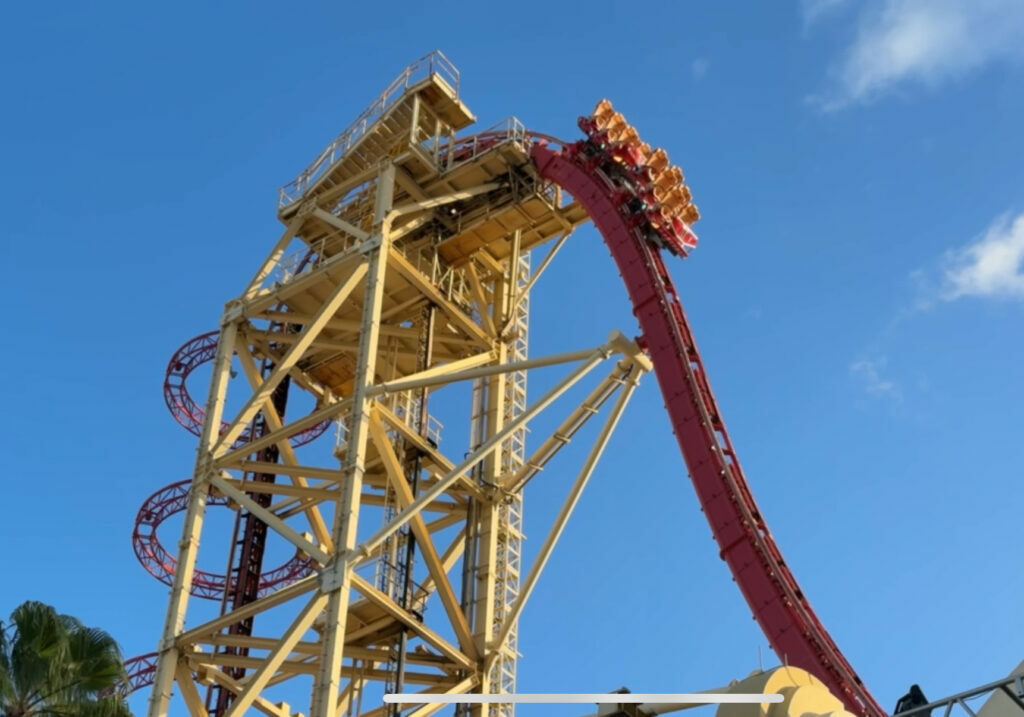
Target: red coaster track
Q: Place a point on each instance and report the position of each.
(593, 178)
(192, 354)
(160, 563)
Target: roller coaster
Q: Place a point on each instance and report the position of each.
(413, 273)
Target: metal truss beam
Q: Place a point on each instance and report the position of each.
(294, 317)
(338, 265)
(340, 224)
(305, 339)
(211, 674)
(434, 457)
(273, 258)
(433, 377)
(448, 559)
(424, 541)
(293, 668)
(282, 528)
(273, 421)
(399, 613)
(435, 202)
(482, 452)
(561, 436)
(457, 688)
(201, 632)
(544, 263)
(567, 508)
(423, 284)
(312, 649)
(281, 434)
(302, 622)
(479, 295)
(337, 578)
(174, 623)
(189, 693)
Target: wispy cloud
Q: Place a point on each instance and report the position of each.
(991, 266)
(869, 373)
(699, 67)
(924, 42)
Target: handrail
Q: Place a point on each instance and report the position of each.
(462, 149)
(1016, 695)
(434, 63)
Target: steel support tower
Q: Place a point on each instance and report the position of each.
(403, 271)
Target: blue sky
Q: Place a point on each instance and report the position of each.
(857, 295)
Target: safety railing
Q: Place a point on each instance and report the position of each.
(310, 258)
(465, 149)
(449, 280)
(434, 64)
(914, 703)
(297, 263)
(405, 405)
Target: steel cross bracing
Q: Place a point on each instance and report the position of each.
(427, 228)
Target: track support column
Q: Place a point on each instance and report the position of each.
(487, 593)
(335, 579)
(174, 623)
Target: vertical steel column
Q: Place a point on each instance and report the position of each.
(513, 457)
(335, 577)
(488, 514)
(174, 623)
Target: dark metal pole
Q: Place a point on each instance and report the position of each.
(414, 467)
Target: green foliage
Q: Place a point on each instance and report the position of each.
(52, 665)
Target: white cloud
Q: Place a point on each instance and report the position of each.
(699, 67)
(869, 371)
(992, 266)
(925, 42)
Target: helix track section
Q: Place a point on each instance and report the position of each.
(172, 499)
(160, 563)
(191, 355)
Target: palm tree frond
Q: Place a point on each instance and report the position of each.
(52, 664)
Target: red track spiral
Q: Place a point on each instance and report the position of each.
(139, 672)
(161, 564)
(192, 354)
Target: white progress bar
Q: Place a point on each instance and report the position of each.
(614, 698)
